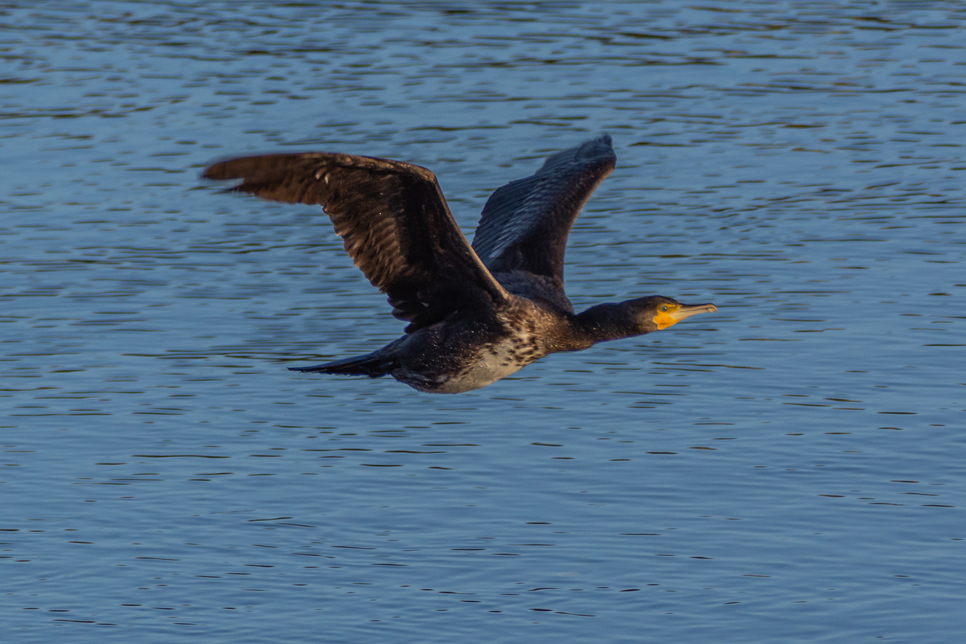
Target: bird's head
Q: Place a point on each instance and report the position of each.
(659, 312)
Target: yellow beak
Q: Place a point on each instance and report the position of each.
(664, 319)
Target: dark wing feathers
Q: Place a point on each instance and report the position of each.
(394, 223)
(397, 228)
(525, 224)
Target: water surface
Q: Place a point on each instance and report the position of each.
(789, 469)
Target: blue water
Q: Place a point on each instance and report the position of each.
(788, 469)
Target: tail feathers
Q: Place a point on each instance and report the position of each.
(372, 365)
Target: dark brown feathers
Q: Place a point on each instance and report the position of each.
(525, 224)
(394, 223)
(476, 313)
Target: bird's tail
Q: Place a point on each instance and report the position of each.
(373, 365)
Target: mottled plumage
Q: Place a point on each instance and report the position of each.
(476, 313)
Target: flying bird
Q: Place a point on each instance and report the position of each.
(477, 313)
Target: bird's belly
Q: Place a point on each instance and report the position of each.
(485, 367)
(489, 367)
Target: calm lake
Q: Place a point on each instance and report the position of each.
(789, 469)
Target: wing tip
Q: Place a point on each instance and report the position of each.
(600, 147)
(217, 172)
(592, 152)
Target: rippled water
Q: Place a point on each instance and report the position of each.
(789, 469)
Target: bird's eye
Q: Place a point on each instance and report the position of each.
(664, 308)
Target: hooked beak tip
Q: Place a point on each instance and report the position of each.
(688, 310)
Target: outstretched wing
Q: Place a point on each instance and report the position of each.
(524, 226)
(393, 220)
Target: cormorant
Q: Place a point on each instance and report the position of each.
(476, 313)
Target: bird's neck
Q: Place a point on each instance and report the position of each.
(605, 322)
